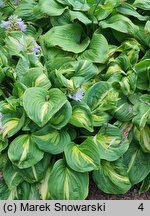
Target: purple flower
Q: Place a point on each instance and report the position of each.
(22, 26)
(36, 49)
(14, 23)
(77, 96)
(6, 24)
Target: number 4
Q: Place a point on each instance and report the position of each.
(141, 207)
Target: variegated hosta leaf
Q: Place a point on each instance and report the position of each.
(145, 185)
(84, 157)
(147, 27)
(67, 37)
(67, 184)
(143, 136)
(143, 72)
(11, 176)
(112, 177)
(145, 5)
(51, 140)
(130, 10)
(141, 111)
(120, 23)
(126, 129)
(130, 49)
(26, 191)
(101, 96)
(138, 163)
(128, 83)
(81, 116)
(36, 172)
(3, 142)
(112, 145)
(70, 71)
(4, 191)
(23, 191)
(100, 118)
(12, 122)
(62, 117)
(3, 160)
(123, 111)
(85, 68)
(51, 8)
(80, 5)
(23, 152)
(98, 49)
(35, 77)
(82, 17)
(73, 83)
(41, 105)
(43, 188)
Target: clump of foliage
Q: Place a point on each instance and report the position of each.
(74, 97)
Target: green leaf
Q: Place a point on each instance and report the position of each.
(37, 172)
(84, 157)
(51, 8)
(26, 191)
(23, 152)
(81, 116)
(138, 163)
(103, 10)
(123, 111)
(34, 13)
(143, 71)
(67, 37)
(3, 160)
(144, 4)
(75, 15)
(145, 185)
(67, 184)
(143, 136)
(12, 121)
(130, 10)
(100, 118)
(85, 69)
(3, 142)
(98, 49)
(101, 96)
(80, 5)
(43, 188)
(50, 140)
(35, 77)
(120, 23)
(147, 27)
(4, 191)
(22, 67)
(23, 191)
(12, 44)
(128, 83)
(11, 176)
(62, 117)
(40, 105)
(141, 111)
(112, 177)
(112, 145)
(72, 74)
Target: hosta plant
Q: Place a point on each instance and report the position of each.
(74, 97)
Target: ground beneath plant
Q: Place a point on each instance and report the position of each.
(133, 194)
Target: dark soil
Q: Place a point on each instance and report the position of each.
(133, 194)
